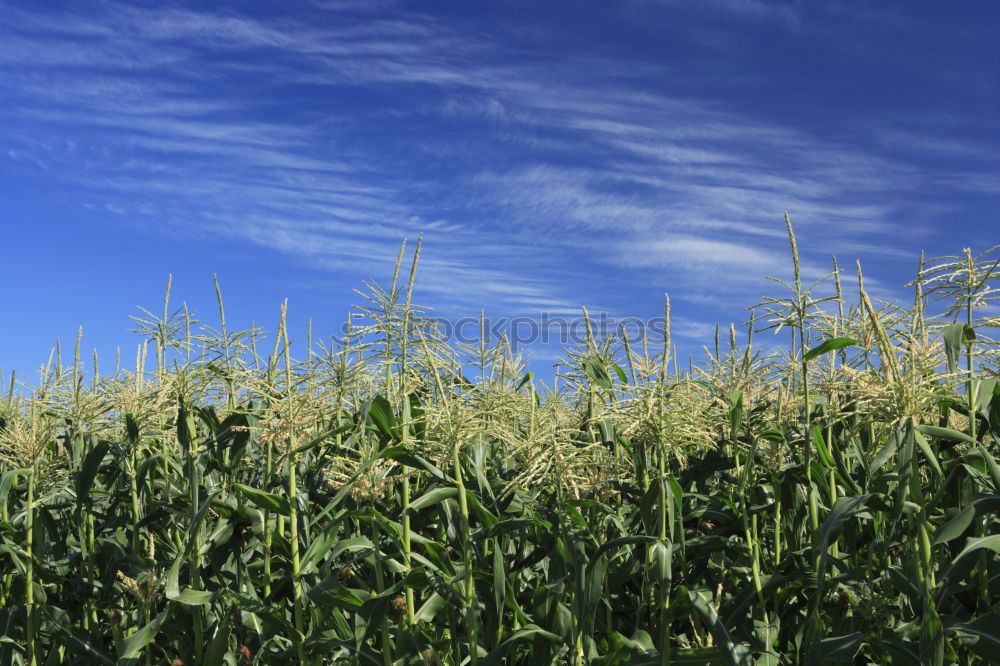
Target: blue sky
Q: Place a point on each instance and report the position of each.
(554, 154)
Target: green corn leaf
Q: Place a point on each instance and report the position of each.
(829, 345)
(732, 653)
(152, 461)
(132, 428)
(597, 373)
(533, 632)
(137, 642)
(929, 456)
(524, 380)
(971, 546)
(215, 655)
(88, 471)
(766, 632)
(264, 500)
(841, 649)
(499, 580)
(945, 433)
(331, 593)
(981, 635)
(79, 644)
(955, 527)
(380, 412)
(317, 550)
(404, 456)
(748, 594)
(904, 469)
(429, 608)
(187, 596)
(272, 619)
(885, 453)
(989, 542)
(9, 478)
(318, 439)
(843, 510)
(620, 542)
(961, 521)
(824, 451)
(992, 467)
(931, 634)
(956, 335)
(432, 498)
(354, 544)
(736, 412)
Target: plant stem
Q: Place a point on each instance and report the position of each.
(293, 494)
(470, 588)
(29, 567)
(193, 497)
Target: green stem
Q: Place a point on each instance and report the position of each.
(984, 560)
(134, 496)
(971, 385)
(835, 549)
(777, 521)
(664, 593)
(470, 588)
(29, 574)
(296, 573)
(411, 616)
(380, 588)
(813, 510)
(85, 563)
(195, 561)
(268, 469)
(293, 493)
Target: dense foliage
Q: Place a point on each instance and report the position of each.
(393, 499)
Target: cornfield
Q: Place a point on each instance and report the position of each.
(394, 498)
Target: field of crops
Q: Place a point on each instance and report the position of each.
(236, 498)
